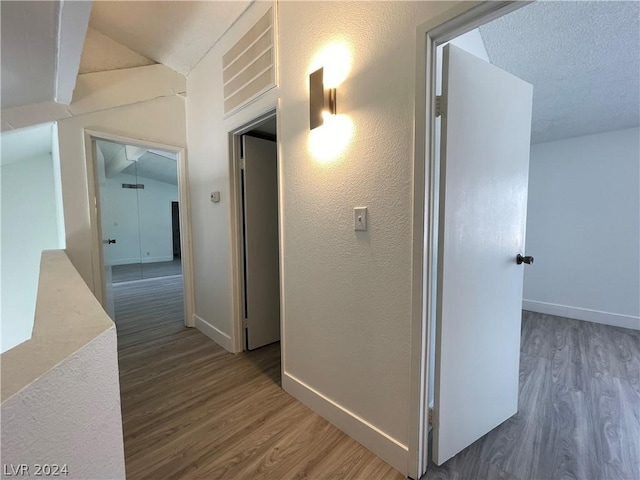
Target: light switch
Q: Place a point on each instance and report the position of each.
(215, 197)
(360, 218)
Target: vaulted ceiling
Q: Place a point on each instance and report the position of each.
(41, 46)
(175, 33)
(583, 59)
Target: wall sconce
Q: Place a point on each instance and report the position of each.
(321, 100)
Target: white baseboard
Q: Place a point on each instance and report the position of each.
(596, 316)
(387, 448)
(213, 333)
(132, 261)
(125, 261)
(157, 259)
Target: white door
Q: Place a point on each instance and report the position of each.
(107, 243)
(486, 129)
(262, 275)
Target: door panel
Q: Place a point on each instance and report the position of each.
(486, 128)
(262, 277)
(107, 245)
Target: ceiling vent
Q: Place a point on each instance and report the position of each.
(248, 68)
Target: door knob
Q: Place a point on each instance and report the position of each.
(110, 241)
(520, 259)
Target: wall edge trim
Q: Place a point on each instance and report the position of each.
(380, 443)
(585, 314)
(213, 333)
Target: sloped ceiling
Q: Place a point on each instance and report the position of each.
(152, 164)
(583, 59)
(102, 53)
(41, 47)
(174, 33)
(29, 31)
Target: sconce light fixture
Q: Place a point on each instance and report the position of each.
(321, 100)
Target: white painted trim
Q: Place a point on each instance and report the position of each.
(126, 261)
(186, 241)
(383, 445)
(213, 333)
(168, 258)
(73, 21)
(131, 261)
(461, 18)
(578, 313)
(245, 122)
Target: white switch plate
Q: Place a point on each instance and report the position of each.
(360, 219)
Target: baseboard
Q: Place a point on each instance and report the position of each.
(157, 259)
(596, 316)
(213, 333)
(388, 449)
(137, 260)
(125, 261)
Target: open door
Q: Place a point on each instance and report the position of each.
(107, 243)
(262, 260)
(486, 130)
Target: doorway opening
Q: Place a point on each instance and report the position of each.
(566, 127)
(256, 215)
(140, 230)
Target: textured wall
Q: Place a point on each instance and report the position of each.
(70, 415)
(347, 295)
(583, 228)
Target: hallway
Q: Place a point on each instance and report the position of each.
(192, 410)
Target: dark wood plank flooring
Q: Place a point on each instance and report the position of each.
(579, 409)
(192, 410)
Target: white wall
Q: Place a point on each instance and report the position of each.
(71, 415)
(139, 219)
(347, 295)
(583, 228)
(160, 120)
(60, 389)
(29, 225)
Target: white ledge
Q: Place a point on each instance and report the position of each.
(68, 316)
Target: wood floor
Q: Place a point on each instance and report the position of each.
(579, 409)
(192, 410)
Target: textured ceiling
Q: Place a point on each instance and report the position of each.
(583, 59)
(101, 53)
(29, 42)
(174, 33)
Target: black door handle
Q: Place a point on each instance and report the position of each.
(520, 260)
(110, 241)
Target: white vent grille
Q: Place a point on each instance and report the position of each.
(248, 68)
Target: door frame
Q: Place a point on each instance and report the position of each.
(237, 216)
(97, 253)
(458, 20)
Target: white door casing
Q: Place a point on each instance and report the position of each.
(262, 281)
(107, 284)
(486, 129)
